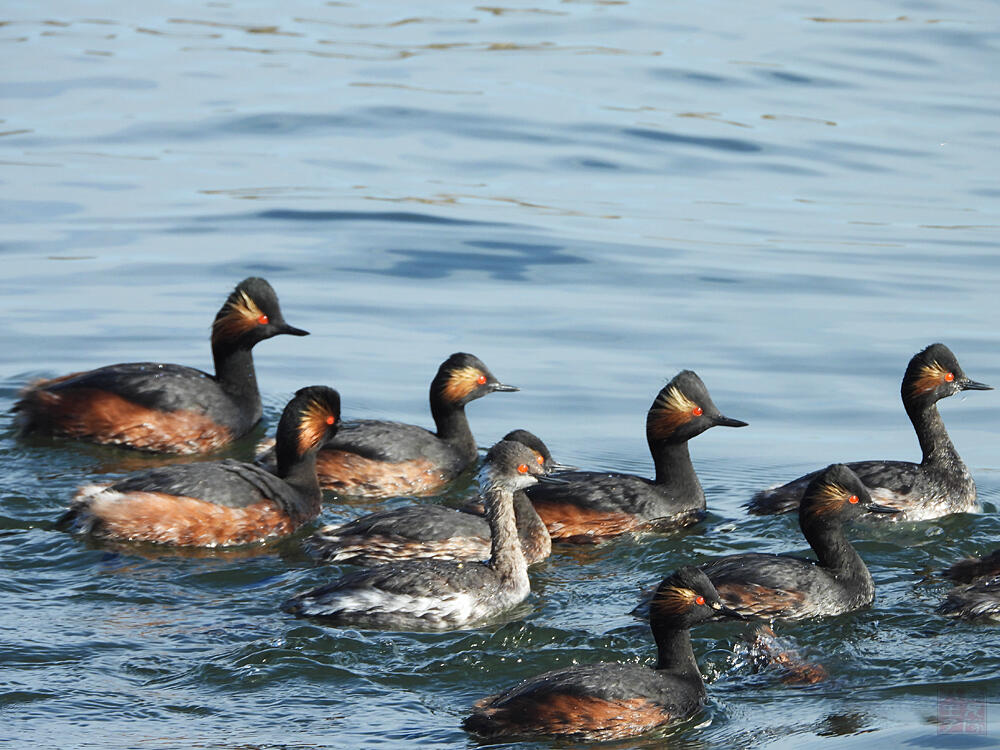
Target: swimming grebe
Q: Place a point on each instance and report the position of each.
(594, 505)
(779, 586)
(435, 594)
(375, 458)
(979, 598)
(940, 484)
(166, 408)
(971, 568)
(435, 531)
(608, 700)
(218, 503)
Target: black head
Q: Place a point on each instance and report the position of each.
(308, 421)
(463, 378)
(513, 466)
(933, 374)
(683, 409)
(535, 443)
(250, 314)
(836, 493)
(685, 598)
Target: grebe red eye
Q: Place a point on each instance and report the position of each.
(697, 411)
(262, 320)
(700, 600)
(481, 380)
(853, 499)
(331, 419)
(949, 377)
(523, 468)
(541, 460)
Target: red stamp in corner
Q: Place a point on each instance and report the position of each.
(961, 712)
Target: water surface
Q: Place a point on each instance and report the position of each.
(590, 196)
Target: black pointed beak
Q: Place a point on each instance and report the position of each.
(972, 385)
(548, 479)
(722, 612)
(502, 387)
(722, 421)
(292, 330)
(882, 509)
(554, 467)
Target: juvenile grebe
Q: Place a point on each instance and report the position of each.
(608, 700)
(593, 505)
(940, 484)
(779, 586)
(435, 594)
(435, 531)
(165, 408)
(218, 503)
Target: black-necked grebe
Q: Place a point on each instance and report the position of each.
(218, 503)
(593, 505)
(779, 586)
(374, 458)
(167, 408)
(607, 701)
(434, 594)
(979, 597)
(940, 484)
(435, 531)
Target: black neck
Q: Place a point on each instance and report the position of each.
(935, 445)
(235, 373)
(299, 472)
(453, 426)
(827, 538)
(675, 655)
(674, 469)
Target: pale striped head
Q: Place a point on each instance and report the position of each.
(541, 450)
(512, 466)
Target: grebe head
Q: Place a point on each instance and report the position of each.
(685, 598)
(463, 378)
(250, 314)
(310, 419)
(836, 492)
(933, 374)
(535, 443)
(512, 466)
(683, 409)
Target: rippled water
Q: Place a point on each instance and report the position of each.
(589, 196)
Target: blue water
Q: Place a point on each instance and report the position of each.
(590, 196)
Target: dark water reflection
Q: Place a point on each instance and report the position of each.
(589, 196)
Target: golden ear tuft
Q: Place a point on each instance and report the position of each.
(670, 410)
(314, 420)
(673, 600)
(830, 498)
(242, 315)
(462, 382)
(930, 377)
